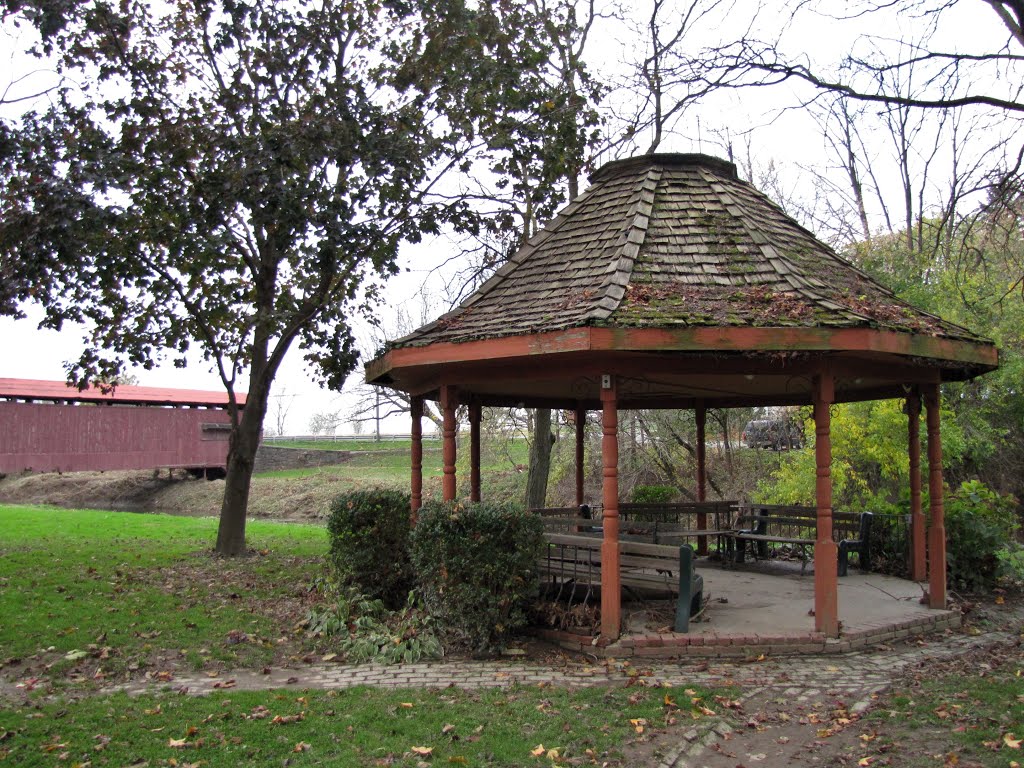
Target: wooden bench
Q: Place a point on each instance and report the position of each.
(576, 560)
(761, 524)
(677, 522)
(669, 523)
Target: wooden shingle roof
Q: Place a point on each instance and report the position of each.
(675, 241)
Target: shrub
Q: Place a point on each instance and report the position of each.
(653, 494)
(1011, 564)
(366, 631)
(890, 544)
(476, 566)
(979, 525)
(369, 533)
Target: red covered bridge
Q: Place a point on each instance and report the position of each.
(49, 426)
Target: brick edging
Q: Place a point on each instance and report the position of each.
(713, 645)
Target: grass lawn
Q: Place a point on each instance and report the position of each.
(965, 712)
(387, 467)
(354, 727)
(353, 444)
(86, 580)
(389, 462)
(89, 598)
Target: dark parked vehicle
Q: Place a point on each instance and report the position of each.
(777, 434)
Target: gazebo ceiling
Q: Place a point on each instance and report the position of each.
(689, 285)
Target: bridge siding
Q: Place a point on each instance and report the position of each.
(69, 438)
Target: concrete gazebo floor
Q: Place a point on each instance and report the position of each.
(766, 608)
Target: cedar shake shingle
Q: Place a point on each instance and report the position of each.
(672, 241)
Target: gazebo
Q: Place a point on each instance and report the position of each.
(671, 283)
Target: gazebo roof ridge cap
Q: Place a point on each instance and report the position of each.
(620, 270)
(628, 165)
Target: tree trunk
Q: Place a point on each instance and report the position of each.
(245, 441)
(540, 459)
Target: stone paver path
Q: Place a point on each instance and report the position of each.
(801, 681)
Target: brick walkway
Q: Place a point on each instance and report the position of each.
(854, 677)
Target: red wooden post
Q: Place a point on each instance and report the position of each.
(581, 425)
(449, 402)
(611, 591)
(937, 529)
(416, 410)
(702, 477)
(826, 588)
(474, 451)
(918, 552)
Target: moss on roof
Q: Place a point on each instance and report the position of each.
(670, 241)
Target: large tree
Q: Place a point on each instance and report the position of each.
(237, 176)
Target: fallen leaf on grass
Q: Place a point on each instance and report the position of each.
(423, 751)
(538, 750)
(406, 705)
(865, 761)
(285, 719)
(302, 746)
(458, 760)
(1011, 742)
(225, 684)
(638, 724)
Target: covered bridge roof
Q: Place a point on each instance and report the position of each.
(123, 394)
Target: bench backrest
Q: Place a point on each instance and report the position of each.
(632, 554)
(682, 513)
(779, 519)
(648, 521)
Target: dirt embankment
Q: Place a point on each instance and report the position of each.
(305, 498)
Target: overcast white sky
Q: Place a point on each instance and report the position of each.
(789, 140)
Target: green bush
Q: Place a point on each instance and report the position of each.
(653, 494)
(369, 533)
(980, 524)
(476, 567)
